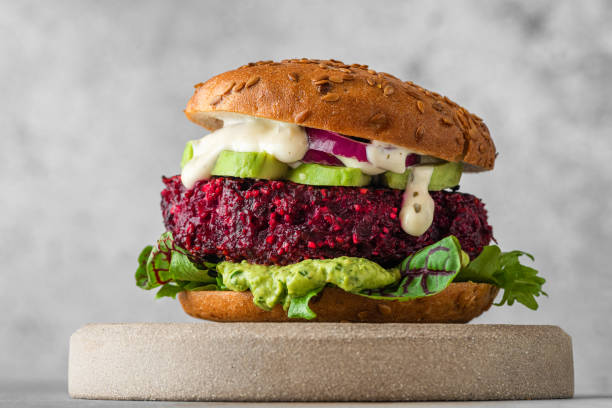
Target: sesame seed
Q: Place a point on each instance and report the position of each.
(451, 103)
(437, 106)
(446, 121)
(379, 119)
(293, 76)
(336, 79)
(420, 106)
(320, 77)
(388, 90)
(461, 119)
(252, 81)
(413, 94)
(371, 71)
(228, 88)
(419, 133)
(239, 87)
(302, 116)
(321, 82)
(370, 81)
(348, 77)
(330, 97)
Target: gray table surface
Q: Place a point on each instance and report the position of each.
(55, 394)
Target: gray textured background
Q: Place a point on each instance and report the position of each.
(91, 99)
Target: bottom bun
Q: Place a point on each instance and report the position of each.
(458, 303)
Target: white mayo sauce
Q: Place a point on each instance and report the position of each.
(285, 141)
(387, 156)
(288, 143)
(418, 207)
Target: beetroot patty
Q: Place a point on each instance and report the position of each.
(278, 222)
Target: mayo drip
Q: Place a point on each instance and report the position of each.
(418, 207)
(287, 142)
(387, 156)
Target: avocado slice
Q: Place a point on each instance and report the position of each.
(322, 175)
(396, 181)
(444, 176)
(187, 153)
(258, 165)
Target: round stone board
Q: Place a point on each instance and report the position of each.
(319, 362)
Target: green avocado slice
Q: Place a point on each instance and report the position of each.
(187, 153)
(322, 175)
(444, 176)
(257, 165)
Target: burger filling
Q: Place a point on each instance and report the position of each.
(283, 211)
(280, 223)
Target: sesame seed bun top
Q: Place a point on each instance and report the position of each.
(349, 99)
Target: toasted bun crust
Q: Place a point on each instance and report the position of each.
(348, 99)
(458, 303)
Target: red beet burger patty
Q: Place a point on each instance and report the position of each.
(280, 222)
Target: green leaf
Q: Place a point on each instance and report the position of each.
(298, 308)
(182, 268)
(424, 273)
(484, 266)
(169, 290)
(158, 264)
(142, 279)
(519, 282)
(167, 265)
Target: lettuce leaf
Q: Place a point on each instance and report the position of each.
(167, 265)
(520, 283)
(298, 308)
(424, 273)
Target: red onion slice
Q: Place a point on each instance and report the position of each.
(334, 143)
(412, 159)
(317, 156)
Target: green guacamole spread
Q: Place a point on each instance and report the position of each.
(272, 284)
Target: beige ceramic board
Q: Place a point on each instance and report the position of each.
(319, 362)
